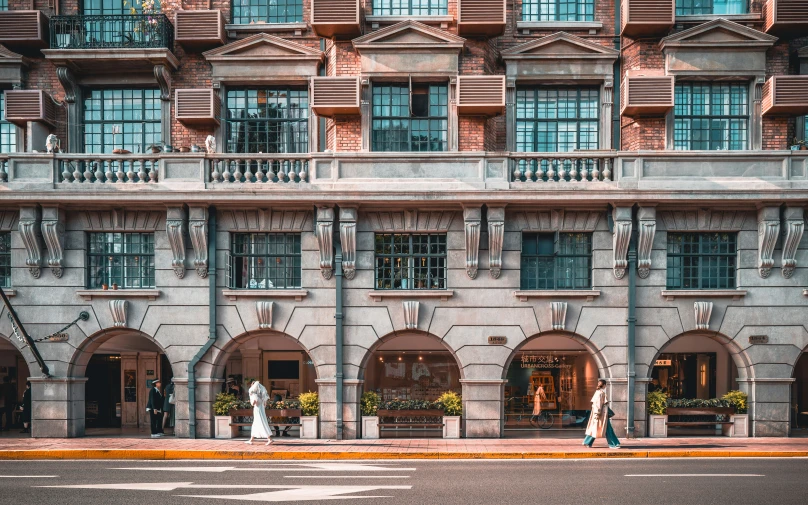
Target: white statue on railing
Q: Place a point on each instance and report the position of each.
(52, 143)
(210, 144)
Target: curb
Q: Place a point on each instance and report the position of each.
(156, 454)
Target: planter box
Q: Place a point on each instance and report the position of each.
(308, 426)
(739, 427)
(657, 426)
(370, 427)
(451, 426)
(222, 428)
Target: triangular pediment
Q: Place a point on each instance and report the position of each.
(264, 47)
(6, 54)
(719, 32)
(408, 34)
(559, 45)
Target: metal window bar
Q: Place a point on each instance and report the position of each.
(405, 261)
(267, 11)
(556, 261)
(395, 127)
(410, 7)
(711, 116)
(111, 31)
(125, 259)
(8, 131)
(264, 261)
(701, 260)
(709, 7)
(5, 259)
(558, 10)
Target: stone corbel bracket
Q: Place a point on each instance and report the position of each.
(703, 312)
(323, 230)
(263, 309)
(117, 308)
(768, 231)
(347, 236)
(472, 217)
(558, 315)
(29, 228)
(621, 237)
(53, 230)
(647, 230)
(175, 229)
(411, 314)
(496, 235)
(163, 76)
(794, 218)
(198, 230)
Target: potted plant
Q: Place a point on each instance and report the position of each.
(740, 420)
(368, 406)
(310, 409)
(657, 404)
(452, 405)
(799, 145)
(221, 409)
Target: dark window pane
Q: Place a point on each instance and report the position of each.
(264, 261)
(413, 261)
(556, 119)
(125, 259)
(701, 260)
(556, 261)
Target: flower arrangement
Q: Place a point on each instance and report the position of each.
(451, 403)
(226, 402)
(697, 403)
(309, 403)
(369, 403)
(738, 399)
(657, 403)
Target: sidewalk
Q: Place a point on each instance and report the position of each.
(291, 448)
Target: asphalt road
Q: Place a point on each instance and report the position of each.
(630, 481)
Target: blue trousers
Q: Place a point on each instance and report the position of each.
(611, 438)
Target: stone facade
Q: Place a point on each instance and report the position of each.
(474, 193)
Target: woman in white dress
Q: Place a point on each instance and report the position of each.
(260, 425)
(599, 424)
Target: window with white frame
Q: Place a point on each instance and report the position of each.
(711, 116)
(558, 10)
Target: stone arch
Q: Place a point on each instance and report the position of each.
(25, 351)
(82, 354)
(738, 355)
(601, 361)
(404, 334)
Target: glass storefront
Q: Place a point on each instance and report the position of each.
(685, 375)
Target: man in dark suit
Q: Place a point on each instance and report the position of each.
(154, 407)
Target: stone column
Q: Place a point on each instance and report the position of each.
(206, 391)
(640, 406)
(351, 392)
(617, 389)
(57, 407)
(181, 407)
(483, 407)
(769, 405)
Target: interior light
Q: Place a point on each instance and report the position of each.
(399, 358)
(420, 358)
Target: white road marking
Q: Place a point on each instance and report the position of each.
(695, 475)
(346, 476)
(29, 476)
(144, 486)
(307, 493)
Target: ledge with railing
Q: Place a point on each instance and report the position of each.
(115, 169)
(124, 31)
(591, 166)
(259, 168)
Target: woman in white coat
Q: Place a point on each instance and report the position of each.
(260, 425)
(599, 424)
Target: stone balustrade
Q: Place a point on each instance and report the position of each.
(112, 169)
(259, 168)
(592, 166)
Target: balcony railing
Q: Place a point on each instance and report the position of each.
(99, 169)
(259, 168)
(562, 167)
(129, 31)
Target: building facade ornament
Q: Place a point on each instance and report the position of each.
(410, 220)
(647, 231)
(175, 230)
(496, 236)
(68, 82)
(263, 310)
(703, 220)
(768, 232)
(198, 230)
(123, 220)
(472, 217)
(558, 220)
(163, 76)
(29, 228)
(794, 218)
(620, 239)
(347, 236)
(324, 229)
(411, 314)
(117, 308)
(703, 312)
(53, 230)
(558, 315)
(265, 220)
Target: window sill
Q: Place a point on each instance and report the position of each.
(89, 294)
(378, 294)
(376, 21)
(235, 294)
(526, 26)
(589, 294)
(234, 29)
(737, 18)
(671, 294)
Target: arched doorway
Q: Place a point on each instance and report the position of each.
(120, 366)
(14, 373)
(799, 397)
(564, 368)
(411, 366)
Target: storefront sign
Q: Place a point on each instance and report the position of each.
(758, 339)
(662, 362)
(59, 337)
(497, 340)
(149, 372)
(543, 361)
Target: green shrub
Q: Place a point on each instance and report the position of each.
(657, 402)
(451, 403)
(224, 403)
(309, 403)
(369, 403)
(397, 404)
(695, 403)
(738, 399)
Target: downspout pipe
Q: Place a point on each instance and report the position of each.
(632, 325)
(339, 316)
(211, 323)
(616, 130)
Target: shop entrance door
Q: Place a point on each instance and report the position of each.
(102, 403)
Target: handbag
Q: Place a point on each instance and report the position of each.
(611, 413)
(171, 399)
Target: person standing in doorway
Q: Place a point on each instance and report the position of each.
(539, 397)
(26, 408)
(168, 404)
(599, 424)
(9, 394)
(154, 408)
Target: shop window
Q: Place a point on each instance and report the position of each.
(122, 259)
(267, 11)
(410, 261)
(556, 261)
(685, 375)
(410, 118)
(410, 7)
(267, 120)
(558, 10)
(556, 119)
(122, 119)
(711, 116)
(8, 132)
(707, 7)
(264, 261)
(5, 259)
(702, 260)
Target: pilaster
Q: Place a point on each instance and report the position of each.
(57, 407)
(483, 408)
